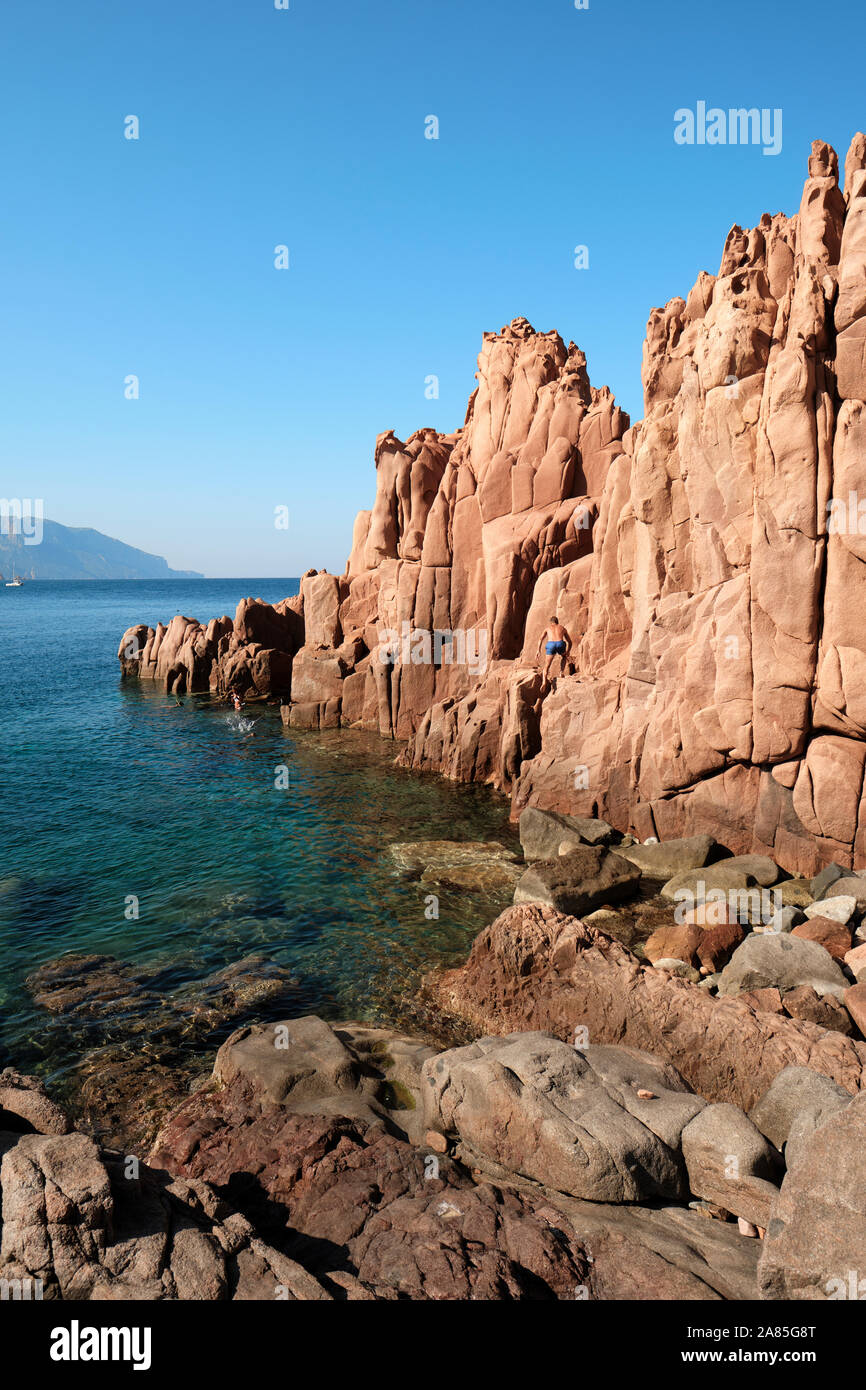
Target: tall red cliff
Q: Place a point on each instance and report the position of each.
(720, 663)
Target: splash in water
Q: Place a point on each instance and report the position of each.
(240, 723)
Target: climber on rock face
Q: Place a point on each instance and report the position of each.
(557, 643)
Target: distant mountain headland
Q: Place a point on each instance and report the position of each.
(78, 552)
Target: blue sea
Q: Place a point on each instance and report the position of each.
(115, 798)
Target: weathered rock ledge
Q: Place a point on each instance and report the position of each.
(554, 1157)
(297, 1174)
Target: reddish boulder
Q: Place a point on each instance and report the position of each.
(835, 937)
(717, 945)
(856, 962)
(855, 1002)
(675, 942)
(767, 1000)
(804, 1002)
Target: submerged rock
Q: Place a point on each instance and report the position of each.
(474, 866)
(101, 988)
(85, 985)
(431, 855)
(122, 1092)
(140, 1036)
(493, 877)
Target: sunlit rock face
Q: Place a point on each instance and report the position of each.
(707, 563)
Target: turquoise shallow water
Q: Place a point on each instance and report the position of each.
(111, 788)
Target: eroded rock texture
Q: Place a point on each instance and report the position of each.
(536, 968)
(252, 653)
(706, 562)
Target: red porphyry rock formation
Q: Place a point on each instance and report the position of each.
(705, 561)
(253, 654)
(536, 968)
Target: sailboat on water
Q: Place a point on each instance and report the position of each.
(15, 582)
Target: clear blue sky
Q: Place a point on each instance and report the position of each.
(306, 127)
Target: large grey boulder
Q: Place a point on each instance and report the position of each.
(796, 1091)
(694, 883)
(670, 857)
(853, 887)
(730, 1162)
(303, 1064)
(301, 1058)
(760, 867)
(544, 833)
(625, 1071)
(840, 909)
(579, 881)
(531, 1105)
(782, 960)
(829, 874)
(815, 1247)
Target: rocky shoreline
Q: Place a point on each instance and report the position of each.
(608, 1123)
(646, 1081)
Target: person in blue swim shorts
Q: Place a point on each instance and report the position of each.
(556, 643)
